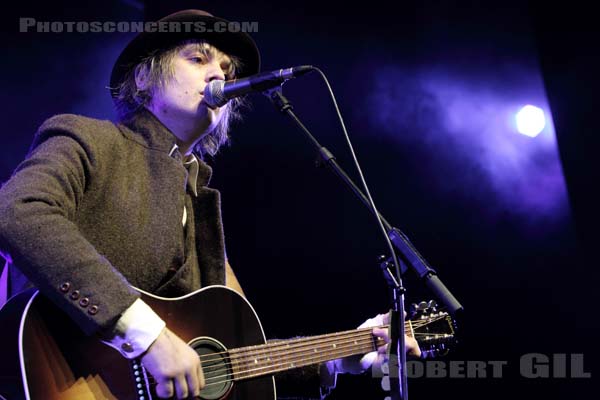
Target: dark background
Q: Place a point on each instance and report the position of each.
(511, 233)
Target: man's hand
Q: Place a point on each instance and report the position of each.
(175, 366)
(358, 364)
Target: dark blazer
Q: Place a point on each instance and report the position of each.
(97, 206)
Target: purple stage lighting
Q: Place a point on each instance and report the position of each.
(530, 121)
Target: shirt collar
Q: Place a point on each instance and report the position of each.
(192, 165)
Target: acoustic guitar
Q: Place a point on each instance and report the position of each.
(45, 356)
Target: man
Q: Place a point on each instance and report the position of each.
(99, 207)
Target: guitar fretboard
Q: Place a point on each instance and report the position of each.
(281, 355)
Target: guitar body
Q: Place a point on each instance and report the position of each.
(46, 356)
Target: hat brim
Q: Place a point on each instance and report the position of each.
(238, 44)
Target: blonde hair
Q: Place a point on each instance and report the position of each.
(158, 70)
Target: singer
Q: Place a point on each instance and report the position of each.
(98, 208)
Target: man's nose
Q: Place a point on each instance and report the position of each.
(214, 71)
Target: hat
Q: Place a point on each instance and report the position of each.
(238, 44)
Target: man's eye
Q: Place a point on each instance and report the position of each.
(197, 59)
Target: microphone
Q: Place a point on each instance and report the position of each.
(218, 92)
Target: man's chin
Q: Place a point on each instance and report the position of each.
(204, 111)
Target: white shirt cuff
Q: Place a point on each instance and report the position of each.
(136, 330)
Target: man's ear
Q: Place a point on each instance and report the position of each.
(141, 77)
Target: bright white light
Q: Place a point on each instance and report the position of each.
(530, 121)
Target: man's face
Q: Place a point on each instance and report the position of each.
(182, 96)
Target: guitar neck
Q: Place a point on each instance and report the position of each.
(282, 355)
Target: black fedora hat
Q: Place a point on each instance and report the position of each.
(238, 44)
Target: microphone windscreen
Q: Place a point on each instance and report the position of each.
(213, 93)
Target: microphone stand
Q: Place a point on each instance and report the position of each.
(397, 361)
(409, 257)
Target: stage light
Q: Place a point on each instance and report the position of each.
(530, 120)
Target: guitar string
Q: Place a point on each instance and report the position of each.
(275, 367)
(257, 354)
(356, 347)
(415, 325)
(281, 366)
(243, 354)
(287, 345)
(289, 356)
(247, 351)
(342, 348)
(284, 349)
(278, 367)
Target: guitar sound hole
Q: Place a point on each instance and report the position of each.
(218, 373)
